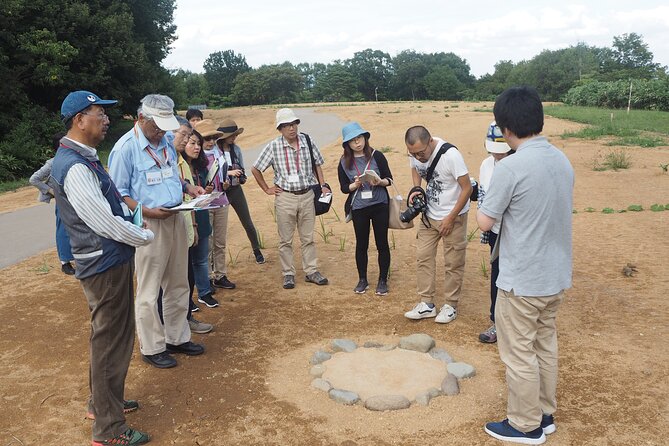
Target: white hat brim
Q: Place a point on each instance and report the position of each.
(496, 147)
(166, 123)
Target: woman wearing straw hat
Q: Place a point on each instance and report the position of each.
(367, 201)
(236, 176)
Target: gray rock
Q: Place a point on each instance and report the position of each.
(320, 356)
(387, 402)
(441, 355)
(343, 345)
(344, 396)
(461, 370)
(317, 370)
(372, 344)
(387, 348)
(450, 386)
(321, 384)
(419, 342)
(424, 398)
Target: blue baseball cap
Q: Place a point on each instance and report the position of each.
(80, 100)
(350, 131)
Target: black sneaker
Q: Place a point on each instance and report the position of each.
(160, 360)
(211, 286)
(382, 288)
(187, 348)
(223, 282)
(67, 268)
(260, 259)
(208, 300)
(361, 287)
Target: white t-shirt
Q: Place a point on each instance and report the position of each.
(444, 190)
(485, 175)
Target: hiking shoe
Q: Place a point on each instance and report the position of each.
(128, 406)
(289, 282)
(67, 268)
(128, 438)
(446, 314)
(260, 259)
(160, 360)
(361, 287)
(547, 424)
(316, 278)
(199, 327)
(223, 282)
(187, 348)
(382, 288)
(208, 300)
(421, 311)
(504, 431)
(489, 336)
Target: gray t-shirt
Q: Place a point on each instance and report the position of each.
(531, 192)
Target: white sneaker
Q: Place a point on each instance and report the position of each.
(421, 311)
(446, 314)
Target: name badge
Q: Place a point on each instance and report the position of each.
(153, 178)
(366, 194)
(167, 172)
(293, 178)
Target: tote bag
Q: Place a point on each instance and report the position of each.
(397, 205)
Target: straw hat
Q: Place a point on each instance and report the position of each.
(229, 128)
(207, 128)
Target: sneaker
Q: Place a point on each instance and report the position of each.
(223, 282)
(489, 336)
(382, 288)
(187, 348)
(195, 308)
(421, 311)
(199, 327)
(446, 314)
(505, 432)
(361, 287)
(67, 268)
(547, 424)
(128, 438)
(288, 282)
(161, 360)
(128, 406)
(212, 287)
(316, 278)
(260, 259)
(208, 300)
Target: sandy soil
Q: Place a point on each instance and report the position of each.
(252, 385)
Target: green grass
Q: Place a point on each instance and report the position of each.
(483, 110)
(641, 141)
(643, 120)
(11, 186)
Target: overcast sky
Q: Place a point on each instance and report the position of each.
(481, 31)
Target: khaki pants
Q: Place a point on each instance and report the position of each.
(455, 248)
(527, 343)
(296, 211)
(109, 296)
(162, 264)
(217, 241)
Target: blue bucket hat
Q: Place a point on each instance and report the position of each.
(80, 100)
(350, 131)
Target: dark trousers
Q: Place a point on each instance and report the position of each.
(191, 285)
(238, 202)
(110, 299)
(494, 273)
(377, 215)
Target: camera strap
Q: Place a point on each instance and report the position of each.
(430, 170)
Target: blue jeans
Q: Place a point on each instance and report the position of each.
(62, 241)
(199, 255)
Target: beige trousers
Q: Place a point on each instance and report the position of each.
(296, 211)
(455, 248)
(217, 241)
(162, 263)
(527, 343)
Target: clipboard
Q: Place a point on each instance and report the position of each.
(213, 171)
(137, 216)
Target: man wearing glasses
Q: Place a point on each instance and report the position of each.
(143, 164)
(447, 197)
(103, 241)
(294, 200)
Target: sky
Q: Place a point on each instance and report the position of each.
(482, 32)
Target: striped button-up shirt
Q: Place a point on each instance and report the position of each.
(290, 163)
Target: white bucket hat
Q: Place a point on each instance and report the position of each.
(285, 116)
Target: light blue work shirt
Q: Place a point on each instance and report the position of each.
(142, 177)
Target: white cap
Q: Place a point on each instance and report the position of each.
(161, 109)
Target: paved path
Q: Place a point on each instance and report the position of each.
(32, 230)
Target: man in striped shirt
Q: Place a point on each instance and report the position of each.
(103, 240)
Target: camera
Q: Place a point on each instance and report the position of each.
(415, 207)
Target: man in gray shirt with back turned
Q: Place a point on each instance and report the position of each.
(531, 194)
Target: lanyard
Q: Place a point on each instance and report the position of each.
(156, 160)
(366, 168)
(297, 162)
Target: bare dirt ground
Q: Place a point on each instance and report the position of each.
(252, 385)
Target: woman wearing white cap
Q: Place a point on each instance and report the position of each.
(498, 149)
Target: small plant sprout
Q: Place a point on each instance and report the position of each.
(234, 259)
(336, 214)
(261, 239)
(392, 240)
(471, 235)
(664, 167)
(635, 208)
(342, 243)
(657, 208)
(323, 232)
(43, 268)
(608, 211)
(271, 211)
(484, 268)
(589, 209)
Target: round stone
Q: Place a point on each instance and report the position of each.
(387, 402)
(419, 342)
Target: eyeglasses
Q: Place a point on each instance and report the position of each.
(420, 153)
(289, 124)
(184, 133)
(100, 116)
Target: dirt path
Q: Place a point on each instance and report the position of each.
(252, 385)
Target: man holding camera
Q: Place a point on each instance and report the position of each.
(446, 202)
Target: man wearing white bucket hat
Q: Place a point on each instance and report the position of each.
(294, 199)
(143, 164)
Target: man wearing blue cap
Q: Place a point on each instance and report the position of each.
(103, 241)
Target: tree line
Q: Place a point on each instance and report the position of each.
(115, 48)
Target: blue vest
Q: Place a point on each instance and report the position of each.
(93, 254)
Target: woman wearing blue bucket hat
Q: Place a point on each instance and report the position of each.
(364, 175)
